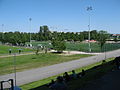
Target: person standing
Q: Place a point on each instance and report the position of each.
(10, 51)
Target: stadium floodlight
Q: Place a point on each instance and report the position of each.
(30, 19)
(89, 27)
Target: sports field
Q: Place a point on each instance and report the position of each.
(70, 46)
(78, 46)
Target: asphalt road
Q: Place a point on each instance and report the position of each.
(44, 72)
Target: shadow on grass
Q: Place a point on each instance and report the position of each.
(57, 52)
(90, 75)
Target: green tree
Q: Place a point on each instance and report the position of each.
(44, 33)
(115, 39)
(102, 36)
(58, 45)
(93, 34)
(81, 37)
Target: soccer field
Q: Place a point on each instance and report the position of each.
(70, 46)
(78, 46)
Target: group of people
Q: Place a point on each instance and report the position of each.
(19, 51)
(117, 62)
(60, 83)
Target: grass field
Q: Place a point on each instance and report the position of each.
(94, 47)
(92, 73)
(4, 49)
(33, 61)
(77, 46)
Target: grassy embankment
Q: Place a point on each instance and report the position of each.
(25, 62)
(92, 73)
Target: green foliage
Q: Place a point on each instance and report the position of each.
(44, 34)
(80, 37)
(115, 39)
(94, 34)
(15, 38)
(58, 45)
(102, 36)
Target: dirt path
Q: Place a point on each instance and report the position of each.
(7, 55)
(64, 53)
(3, 56)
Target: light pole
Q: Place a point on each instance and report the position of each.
(15, 68)
(30, 19)
(89, 9)
(105, 53)
(15, 75)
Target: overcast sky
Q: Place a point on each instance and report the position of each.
(60, 15)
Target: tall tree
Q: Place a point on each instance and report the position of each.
(81, 37)
(102, 36)
(44, 33)
(93, 34)
(58, 44)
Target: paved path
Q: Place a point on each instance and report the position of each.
(44, 72)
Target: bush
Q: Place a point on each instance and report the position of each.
(58, 45)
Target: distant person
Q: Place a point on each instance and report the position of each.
(10, 51)
(19, 51)
(83, 72)
(103, 61)
(37, 51)
(66, 77)
(59, 84)
(51, 83)
(117, 62)
(74, 75)
(45, 50)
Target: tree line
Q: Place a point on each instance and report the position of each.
(44, 34)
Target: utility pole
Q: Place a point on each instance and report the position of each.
(15, 68)
(89, 27)
(30, 19)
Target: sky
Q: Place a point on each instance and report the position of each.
(59, 15)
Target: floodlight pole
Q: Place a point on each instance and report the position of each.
(15, 67)
(105, 53)
(30, 19)
(89, 9)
